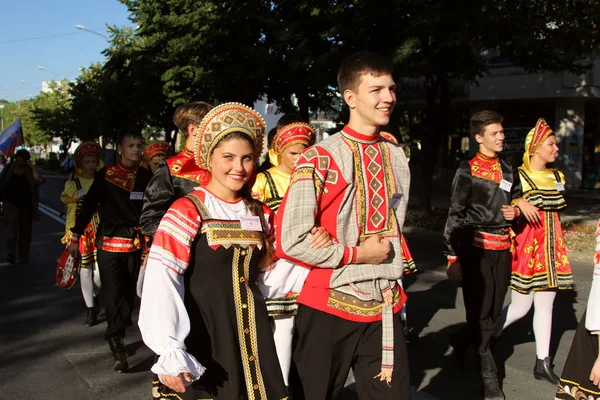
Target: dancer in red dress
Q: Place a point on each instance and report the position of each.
(540, 265)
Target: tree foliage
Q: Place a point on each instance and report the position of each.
(284, 50)
(52, 114)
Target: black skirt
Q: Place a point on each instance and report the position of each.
(230, 330)
(575, 381)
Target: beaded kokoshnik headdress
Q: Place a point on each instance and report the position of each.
(220, 122)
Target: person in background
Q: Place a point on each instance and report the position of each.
(177, 176)
(154, 153)
(477, 242)
(87, 161)
(116, 195)
(19, 191)
(540, 265)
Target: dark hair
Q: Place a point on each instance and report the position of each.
(482, 119)
(191, 113)
(255, 206)
(132, 135)
(359, 64)
(22, 153)
(270, 137)
(288, 119)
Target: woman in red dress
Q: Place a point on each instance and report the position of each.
(540, 265)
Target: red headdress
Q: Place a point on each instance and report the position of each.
(534, 140)
(156, 148)
(86, 149)
(289, 135)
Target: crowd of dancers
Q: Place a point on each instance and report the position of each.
(273, 285)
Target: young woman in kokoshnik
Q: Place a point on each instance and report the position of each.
(201, 310)
(540, 265)
(87, 162)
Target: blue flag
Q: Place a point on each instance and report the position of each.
(11, 138)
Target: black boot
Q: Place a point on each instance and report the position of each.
(119, 353)
(543, 370)
(489, 376)
(91, 317)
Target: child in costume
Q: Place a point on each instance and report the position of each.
(87, 161)
(201, 310)
(154, 153)
(540, 265)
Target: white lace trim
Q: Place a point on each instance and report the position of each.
(177, 361)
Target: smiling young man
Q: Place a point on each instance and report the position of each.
(477, 241)
(116, 195)
(355, 185)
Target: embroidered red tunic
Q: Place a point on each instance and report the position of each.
(346, 184)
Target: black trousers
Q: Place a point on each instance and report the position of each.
(19, 224)
(118, 273)
(328, 346)
(485, 280)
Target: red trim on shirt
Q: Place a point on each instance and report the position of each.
(359, 136)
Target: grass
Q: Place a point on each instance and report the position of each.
(579, 237)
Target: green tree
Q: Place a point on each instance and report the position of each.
(22, 109)
(51, 112)
(446, 42)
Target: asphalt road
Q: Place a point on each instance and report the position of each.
(46, 353)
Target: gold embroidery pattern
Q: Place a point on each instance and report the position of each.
(245, 312)
(576, 391)
(226, 233)
(362, 189)
(486, 168)
(353, 305)
(120, 177)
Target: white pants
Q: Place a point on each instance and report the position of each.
(520, 304)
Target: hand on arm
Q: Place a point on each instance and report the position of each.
(509, 212)
(529, 211)
(373, 250)
(320, 238)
